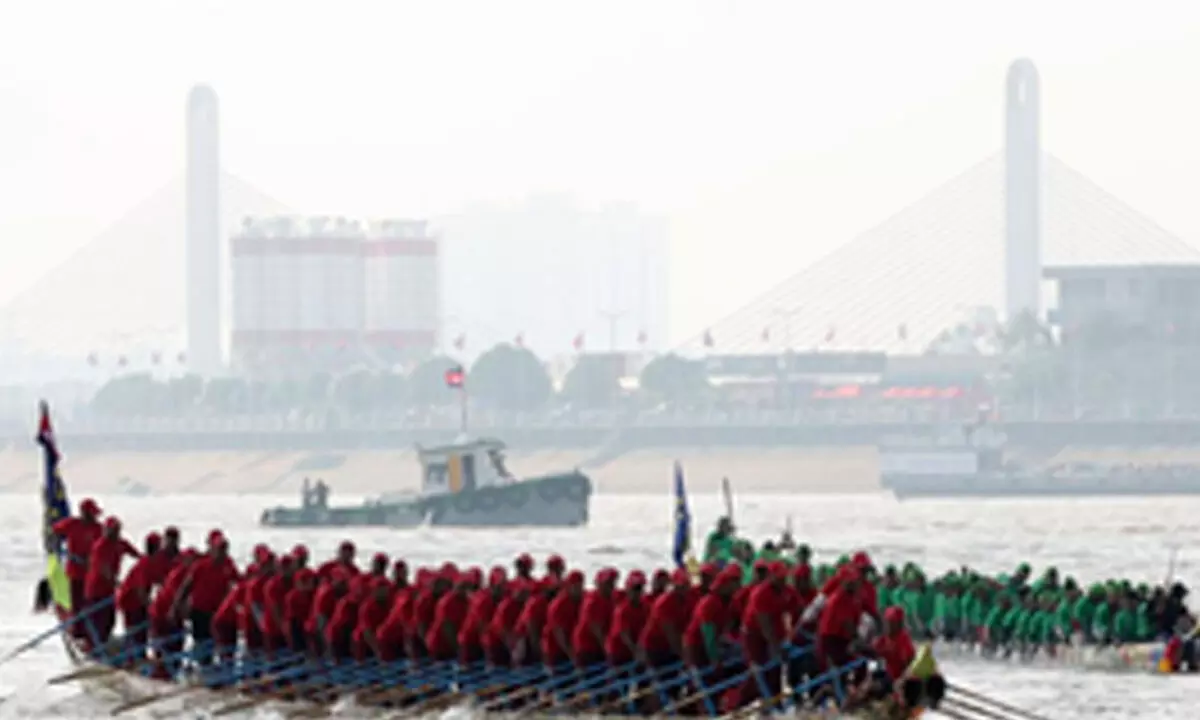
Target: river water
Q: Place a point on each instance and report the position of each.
(1086, 538)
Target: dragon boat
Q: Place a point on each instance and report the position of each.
(464, 484)
(303, 688)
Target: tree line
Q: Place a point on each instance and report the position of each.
(505, 378)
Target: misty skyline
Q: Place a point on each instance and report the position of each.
(767, 135)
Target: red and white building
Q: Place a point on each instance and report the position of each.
(331, 291)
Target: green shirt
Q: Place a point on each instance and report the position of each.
(1124, 626)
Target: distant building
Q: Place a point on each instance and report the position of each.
(552, 273)
(1152, 300)
(327, 293)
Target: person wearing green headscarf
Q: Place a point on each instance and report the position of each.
(947, 621)
(997, 630)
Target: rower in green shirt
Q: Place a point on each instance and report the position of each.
(1124, 622)
(719, 546)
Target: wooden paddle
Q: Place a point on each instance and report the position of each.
(998, 705)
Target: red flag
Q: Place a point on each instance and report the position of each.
(460, 342)
(642, 338)
(519, 340)
(830, 334)
(708, 339)
(455, 377)
(577, 343)
(766, 334)
(902, 331)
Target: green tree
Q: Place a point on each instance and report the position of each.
(130, 396)
(594, 382)
(427, 383)
(510, 378)
(675, 380)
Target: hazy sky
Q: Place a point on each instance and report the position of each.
(769, 132)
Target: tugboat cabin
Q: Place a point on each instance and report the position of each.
(463, 467)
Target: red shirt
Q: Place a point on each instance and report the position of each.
(561, 617)
(393, 628)
(371, 614)
(274, 593)
(628, 619)
(770, 602)
(479, 612)
(670, 608)
(79, 535)
(160, 606)
(104, 566)
(327, 569)
(839, 617)
(503, 622)
(211, 580)
(297, 606)
(324, 604)
(896, 651)
(448, 617)
(737, 608)
(533, 616)
(711, 610)
(345, 617)
(232, 607)
(596, 615)
(148, 571)
(253, 602)
(422, 615)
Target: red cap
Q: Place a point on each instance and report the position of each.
(89, 507)
(524, 560)
(709, 570)
(473, 576)
(399, 565)
(637, 578)
(171, 532)
(861, 560)
(153, 538)
(346, 546)
(681, 577)
(300, 552)
(216, 537)
(112, 522)
(261, 552)
(555, 563)
(731, 573)
(894, 614)
(497, 576)
(448, 571)
(287, 562)
(661, 576)
(575, 577)
(380, 558)
(779, 569)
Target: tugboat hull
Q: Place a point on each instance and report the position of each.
(553, 501)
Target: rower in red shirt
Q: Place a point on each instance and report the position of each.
(562, 615)
(741, 597)
(895, 651)
(661, 639)
(344, 561)
(300, 556)
(339, 634)
(399, 575)
(838, 626)
(501, 637)
(79, 534)
(441, 637)
(621, 645)
(556, 569)
(166, 618)
(710, 623)
(379, 568)
(297, 607)
(325, 602)
(272, 619)
(133, 596)
(523, 569)
(660, 582)
(208, 582)
(595, 620)
(252, 618)
(392, 632)
(229, 617)
(481, 608)
(103, 574)
(371, 615)
(531, 623)
(424, 613)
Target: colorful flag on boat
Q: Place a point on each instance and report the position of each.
(682, 545)
(55, 507)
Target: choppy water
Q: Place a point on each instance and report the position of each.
(1087, 538)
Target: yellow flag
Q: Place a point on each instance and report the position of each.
(60, 586)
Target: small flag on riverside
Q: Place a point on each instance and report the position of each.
(683, 521)
(55, 587)
(455, 377)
